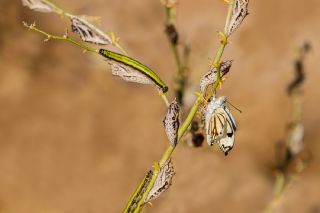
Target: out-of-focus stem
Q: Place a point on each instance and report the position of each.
(173, 37)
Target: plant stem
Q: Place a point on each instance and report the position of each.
(64, 38)
(183, 128)
(85, 47)
(164, 98)
(173, 37)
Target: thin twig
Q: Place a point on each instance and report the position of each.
(73, 41)
(58, 10)
(64, 38)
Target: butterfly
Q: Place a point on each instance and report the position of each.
(220, 125)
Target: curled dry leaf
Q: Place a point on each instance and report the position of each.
(162, 183)
(210, 77)
(37, 5)
(240, 11)
(171, 122)
(88, 32)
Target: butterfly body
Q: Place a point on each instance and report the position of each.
(219, 124)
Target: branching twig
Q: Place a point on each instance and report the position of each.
(183, 128)
(73, 41)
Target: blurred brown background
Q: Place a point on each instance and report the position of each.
(75, 139)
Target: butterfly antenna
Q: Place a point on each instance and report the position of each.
(234, 106)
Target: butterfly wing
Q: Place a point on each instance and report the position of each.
(226, 143)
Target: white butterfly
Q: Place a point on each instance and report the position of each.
(219, 124)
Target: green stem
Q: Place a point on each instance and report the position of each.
(62, 12)
(179, 76)
(183, 128)
(229, 16)
(70, 40)
(64, 38)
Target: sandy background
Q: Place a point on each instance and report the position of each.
(74, 139)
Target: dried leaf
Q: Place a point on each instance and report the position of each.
(162, 183)
(128, 73)
(211, 77)
(240, 11)
(88, 32)
(37, 5)
(171, 122)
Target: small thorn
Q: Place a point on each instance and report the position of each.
(198, 94)
(156, 167)
(224, 38)
(47, 39)
(212, 64)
